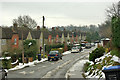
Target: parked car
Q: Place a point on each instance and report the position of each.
(80, 48)
(74, 50)
(54, 55)
(88, 45)
(83, 44)
(92, 44)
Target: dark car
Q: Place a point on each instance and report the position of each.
(80, 48)
(54, 55)
(83, 44)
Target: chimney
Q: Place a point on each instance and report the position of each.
(15, 29)
(38, 27)
(15, 24)
(53, 28)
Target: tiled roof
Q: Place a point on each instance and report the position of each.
(6, 33)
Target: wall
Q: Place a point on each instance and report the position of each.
(6, 46)
(0, 41)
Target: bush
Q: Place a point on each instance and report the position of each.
(98, 52)
(30, 50)
(6, 63)
(6, 54)
(115, 52)
(45, 56)
(86, 66)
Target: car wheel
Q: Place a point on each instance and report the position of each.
(48, 59)
(56, 59)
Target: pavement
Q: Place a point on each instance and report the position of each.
(77, 69)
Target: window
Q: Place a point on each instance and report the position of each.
(3, 41)
(15, 41)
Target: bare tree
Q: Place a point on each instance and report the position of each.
(105, 29)
(114, 10)
(25, 21)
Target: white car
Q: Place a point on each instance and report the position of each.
(74, 50)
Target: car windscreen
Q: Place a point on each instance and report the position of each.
(74, 48)
(53, 52)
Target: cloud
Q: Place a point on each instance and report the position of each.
(56, 13)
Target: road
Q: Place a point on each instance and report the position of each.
(50, 69)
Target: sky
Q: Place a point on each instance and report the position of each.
(56, 12)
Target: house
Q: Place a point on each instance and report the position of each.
(5, 39)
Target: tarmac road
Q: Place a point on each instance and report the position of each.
(50, 69)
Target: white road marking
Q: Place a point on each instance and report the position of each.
(32, 72)
(23, 72)
(43, 66)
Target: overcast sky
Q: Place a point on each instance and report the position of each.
(60, 13)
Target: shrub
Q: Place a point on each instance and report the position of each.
(86, 66)
(115, 52)
(6, 63)
(98, 52)
(30, 50)
(45, 56)
(5, 54)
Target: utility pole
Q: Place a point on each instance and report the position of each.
(22, 49)
(43, 37)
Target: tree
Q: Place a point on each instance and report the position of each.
(105, 29)
(116, 31)
(93, 36)
(30, 48)
(114, 10)
(25, 21)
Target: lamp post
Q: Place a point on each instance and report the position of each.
(73, 36)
